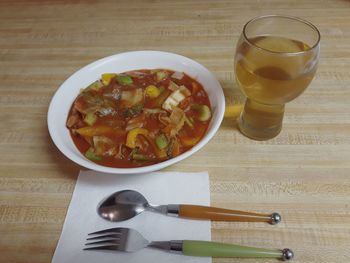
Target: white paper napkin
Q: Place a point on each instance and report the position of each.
(158, 188)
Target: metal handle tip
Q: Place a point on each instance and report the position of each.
(287, 254)
(275, 218)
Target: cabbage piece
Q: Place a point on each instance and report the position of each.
(132, 97)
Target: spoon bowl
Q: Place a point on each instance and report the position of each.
(122, 205)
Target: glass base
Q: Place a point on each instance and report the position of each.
(259, 121)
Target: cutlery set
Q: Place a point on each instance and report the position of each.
(126, 204)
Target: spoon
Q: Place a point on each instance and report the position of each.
(126, 204)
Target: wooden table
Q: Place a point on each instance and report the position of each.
(304, 173)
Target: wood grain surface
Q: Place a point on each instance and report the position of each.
(304, 173)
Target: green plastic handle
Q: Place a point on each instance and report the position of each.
(220, 250)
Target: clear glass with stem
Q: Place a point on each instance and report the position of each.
(276, 59)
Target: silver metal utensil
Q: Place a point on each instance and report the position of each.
(126, 204)
(129, 240)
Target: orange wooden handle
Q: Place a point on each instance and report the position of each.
(220, 214)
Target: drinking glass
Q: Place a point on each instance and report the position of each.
(276, 59)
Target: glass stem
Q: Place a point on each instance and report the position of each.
(260, 121)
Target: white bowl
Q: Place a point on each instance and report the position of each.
(69, 90)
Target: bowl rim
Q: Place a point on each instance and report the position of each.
(82, 161)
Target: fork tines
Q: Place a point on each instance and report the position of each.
(108, 239)
(106, 247)
(115, 236)
(110, 230)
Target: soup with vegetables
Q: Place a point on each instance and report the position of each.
(139, 118)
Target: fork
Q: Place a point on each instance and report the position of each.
(129, 240)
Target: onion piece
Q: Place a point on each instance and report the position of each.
(153, 110)
(136, 122)
(136, 74)
(178, 75)
(177, 121)
(105, 111)
(164, 119)
(73, 120)
(103, 146)
(175, 98)
(173, 86)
